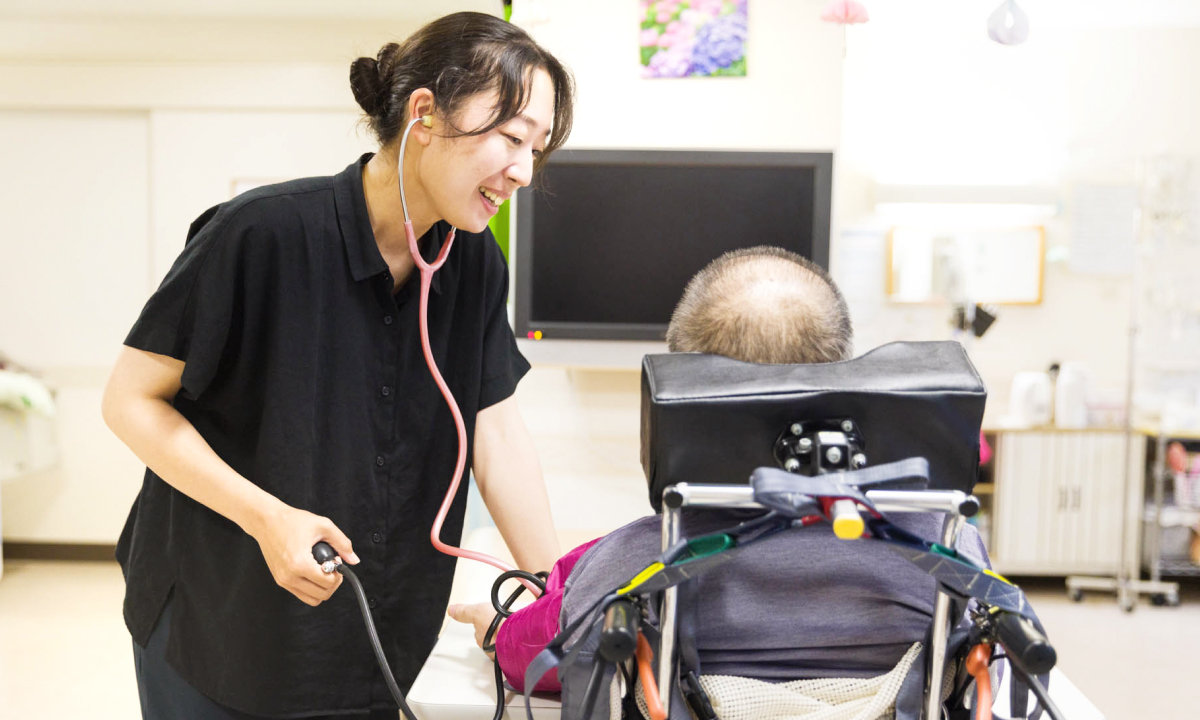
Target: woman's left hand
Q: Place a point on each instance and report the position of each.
(478, 614)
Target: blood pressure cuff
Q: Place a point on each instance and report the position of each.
(710, 419)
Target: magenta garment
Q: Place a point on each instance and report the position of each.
(529, 630)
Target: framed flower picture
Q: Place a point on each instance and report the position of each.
(693, 38)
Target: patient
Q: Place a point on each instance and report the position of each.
(861, 606)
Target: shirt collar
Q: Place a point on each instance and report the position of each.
(355, 223)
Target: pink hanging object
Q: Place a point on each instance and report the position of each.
(1008, 25)
(1177, 458)
(985, 450)
(845, 12)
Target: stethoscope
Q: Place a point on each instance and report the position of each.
(324, 553)
(427, 270)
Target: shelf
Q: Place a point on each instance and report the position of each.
(1181, 568)
(1153, 431)
(1056, 429)
(984, 488)
(1171, 515)
(589, 354)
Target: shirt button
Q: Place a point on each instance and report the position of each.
(387, 319)
(377, 537)
(372, 603)
(379, 461)
(386, 391)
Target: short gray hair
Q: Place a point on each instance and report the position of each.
(763, 305)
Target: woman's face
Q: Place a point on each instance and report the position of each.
(467, 178)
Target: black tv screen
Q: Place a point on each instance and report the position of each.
(608, 239)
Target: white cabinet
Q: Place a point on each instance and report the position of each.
(1058, 500)
(27, 445)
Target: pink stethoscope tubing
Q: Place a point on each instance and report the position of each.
(427, 270)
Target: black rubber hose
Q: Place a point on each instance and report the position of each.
(593, 687)
(503, 611)
(398, 696)
(489, 644)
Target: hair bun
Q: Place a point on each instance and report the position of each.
(366, 85)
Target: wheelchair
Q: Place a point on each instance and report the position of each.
(895, 430)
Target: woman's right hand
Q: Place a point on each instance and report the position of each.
(286, 536)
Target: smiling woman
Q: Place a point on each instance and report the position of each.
(276, 387)
(493, 105)
(458, 58)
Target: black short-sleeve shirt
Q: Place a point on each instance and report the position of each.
(304, 372)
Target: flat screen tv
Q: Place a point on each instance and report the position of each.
(607, 239)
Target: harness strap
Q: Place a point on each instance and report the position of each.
(799, 495)
(689, 656)
(792, 495)
(953, 572)
(1018, 697)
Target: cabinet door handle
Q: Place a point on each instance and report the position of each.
(1062, 499)
(1076, 498)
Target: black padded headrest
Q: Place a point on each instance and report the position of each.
(710, 419)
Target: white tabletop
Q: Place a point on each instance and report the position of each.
(458, 683)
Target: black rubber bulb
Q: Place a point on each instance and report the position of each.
(323, 552)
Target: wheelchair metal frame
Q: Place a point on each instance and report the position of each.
(951, 502)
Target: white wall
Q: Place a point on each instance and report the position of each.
(931, 101)
(74, 195)
(159, 117)
(116, 135)
(789, 100)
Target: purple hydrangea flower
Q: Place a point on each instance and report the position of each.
(673, 62)
(719, 43)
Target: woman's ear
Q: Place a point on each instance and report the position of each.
(420, 107)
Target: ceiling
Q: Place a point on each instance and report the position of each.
(1048, 13)
(415, 11)
(212, 30)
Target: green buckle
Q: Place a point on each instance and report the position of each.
(706, 546)
(943, 550)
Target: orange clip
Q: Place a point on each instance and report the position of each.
(646, 674)
(977, 665)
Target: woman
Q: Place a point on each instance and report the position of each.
(276, 389)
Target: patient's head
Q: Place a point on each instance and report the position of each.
(763, 305)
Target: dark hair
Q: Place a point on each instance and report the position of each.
(764, 305)
(456, 57)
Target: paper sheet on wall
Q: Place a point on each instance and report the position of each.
(860, 271)
(860, 267)
(1104, 229)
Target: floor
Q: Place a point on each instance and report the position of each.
(64, 652)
